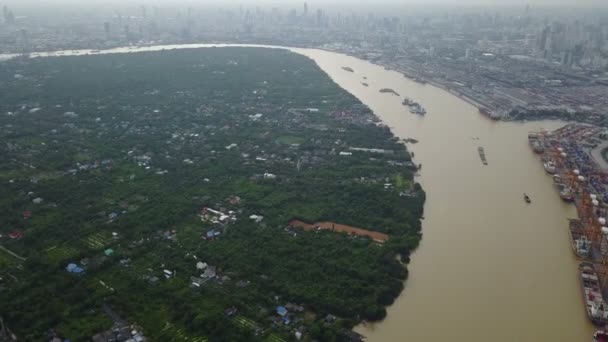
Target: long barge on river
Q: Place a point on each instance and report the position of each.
(482, 155)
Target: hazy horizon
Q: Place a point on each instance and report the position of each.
(312, 3)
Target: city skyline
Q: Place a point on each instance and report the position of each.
(291, 3)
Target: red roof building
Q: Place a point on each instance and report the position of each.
(16, 234)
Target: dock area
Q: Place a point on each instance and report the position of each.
(566, 154)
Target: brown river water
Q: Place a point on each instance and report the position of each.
(489, 267)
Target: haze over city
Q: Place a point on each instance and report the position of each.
(274, 171)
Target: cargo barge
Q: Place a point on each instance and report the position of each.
(389, 90)
(592, 294)
(482, 155)
(581, 245)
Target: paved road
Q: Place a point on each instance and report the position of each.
(596, 154)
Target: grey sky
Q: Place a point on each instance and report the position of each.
(319, 3)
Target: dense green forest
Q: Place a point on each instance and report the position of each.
(108, 162)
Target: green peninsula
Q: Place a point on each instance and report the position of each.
(160, 189)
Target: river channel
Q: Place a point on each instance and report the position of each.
(490, 267)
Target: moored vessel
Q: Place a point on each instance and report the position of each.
(565, 192)
(592, 294)
(527, 198)
(600, 336)
(581, 245)
(536, 143)
(550, 167)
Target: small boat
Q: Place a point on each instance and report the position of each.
(415, 108)
(600, 336)
(349, 69)
(581, 245)
(527, 199)
(550, 167)
(407, 102)
(365, 84)
(592, 294)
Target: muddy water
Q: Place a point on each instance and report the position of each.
(490, 267)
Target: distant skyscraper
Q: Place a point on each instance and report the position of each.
(305, 9)
(7, 14)
(144, 12)
(24, 40)
(106, 29)
(542, 38)
(319, 17)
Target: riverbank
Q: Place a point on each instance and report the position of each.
(518, 114)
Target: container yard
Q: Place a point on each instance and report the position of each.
(570, 156)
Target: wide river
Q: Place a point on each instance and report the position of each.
(490, 267)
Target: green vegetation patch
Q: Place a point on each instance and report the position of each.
(197, 159)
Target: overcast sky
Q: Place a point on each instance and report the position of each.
(319, 3)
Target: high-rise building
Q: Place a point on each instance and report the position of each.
(24, 40)
(542, 39)
(106, 29)
(8, 15)
(319, 17)
(305, 9)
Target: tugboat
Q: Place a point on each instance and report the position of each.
(407, 102)
(600, 336)
(527, 198)
(592, 294)
(415, 108)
